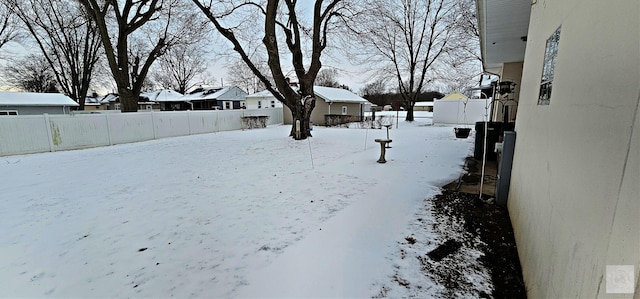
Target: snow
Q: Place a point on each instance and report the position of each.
(262, 94)
(207, 93)
(231, 214)
(163, 95)
(35, 99)
(424, 104)
(338, 95)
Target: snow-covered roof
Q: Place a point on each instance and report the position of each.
(163, 95)
(206, 93)
(112, 97)
(263, 94)
(424, 104)
(338, 95)
(454, 96)
(92, 101)
(8, 98)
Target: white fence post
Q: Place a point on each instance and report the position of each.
(153, 126)
(217, 122)
(47, 125)
(189, 121)
(106, 116)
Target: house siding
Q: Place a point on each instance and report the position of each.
(322, 108)
(573, 199)
(38, 110)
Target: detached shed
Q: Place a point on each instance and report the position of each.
(31, 103)
(456, 108)
(334, 105)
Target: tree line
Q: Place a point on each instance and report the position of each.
(411, 46)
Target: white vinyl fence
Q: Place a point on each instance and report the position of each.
(43, 133)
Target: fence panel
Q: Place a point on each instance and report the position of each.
(229, 120)
(78, 131)
(130, 127)
(35, 133)
(274, 114)
(171, 123)
(203, 122)
(23, 135)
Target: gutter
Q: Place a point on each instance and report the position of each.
(481, 12)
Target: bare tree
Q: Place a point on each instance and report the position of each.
(284, 25)
(377, 87)
(135, 33)
(241, 75)
(67, 39)
(9, 29)
(31, 73)
(179, 67)
(411, 38)
(327, 77)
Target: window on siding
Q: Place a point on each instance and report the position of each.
(259, 104)
(227, 105)
(548, 69)
(344, 110)
(8, 112)
(273, 104)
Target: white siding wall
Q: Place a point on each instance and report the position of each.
(454, 112)
(574, 195)
(35, 134)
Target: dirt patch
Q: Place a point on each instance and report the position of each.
(467, 222)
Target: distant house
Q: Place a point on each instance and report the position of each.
(167, 99)
(334, 105)
(93, 102)
(29, 103)
(210, 98)
(423, 106)
(112, 102)
(261, 100)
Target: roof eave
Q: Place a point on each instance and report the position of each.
(508, 47)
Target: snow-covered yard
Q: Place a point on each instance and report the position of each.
(230, 214)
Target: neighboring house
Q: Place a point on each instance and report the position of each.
(334, 105)
(167, 100)
(30, 103)
(93, 102)
(456, 108)
(573, 194)
(261, 100)
(423, 106)
(112, 102)
(210, 98)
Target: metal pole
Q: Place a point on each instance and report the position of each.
(484, 146)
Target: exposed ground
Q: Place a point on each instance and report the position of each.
(463, 221)
(466, 222)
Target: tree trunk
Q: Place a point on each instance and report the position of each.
(128, 101)
(410, 111)
(302, 113)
